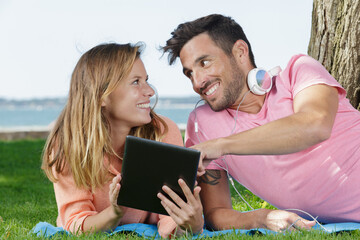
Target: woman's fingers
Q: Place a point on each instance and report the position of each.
(190, 199)
(188, 215)
(114, 189)
(180, 208)
(174, 211)
(187, 192)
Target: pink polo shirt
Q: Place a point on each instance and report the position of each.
(75, 204)
(323, 180)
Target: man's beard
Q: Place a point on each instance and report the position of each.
(232, 90)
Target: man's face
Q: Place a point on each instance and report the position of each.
(214, 75)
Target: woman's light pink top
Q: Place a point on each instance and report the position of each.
(75, 205)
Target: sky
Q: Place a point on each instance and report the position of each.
(42, 40)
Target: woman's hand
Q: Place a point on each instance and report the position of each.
(114, 189)
(279, 220)
(187, 215)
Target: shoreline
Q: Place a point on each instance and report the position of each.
(36, 132)
(24, 132)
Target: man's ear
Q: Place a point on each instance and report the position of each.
(240, 51)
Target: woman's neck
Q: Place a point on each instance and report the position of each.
(118, 137)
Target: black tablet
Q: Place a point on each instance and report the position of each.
(148, 165)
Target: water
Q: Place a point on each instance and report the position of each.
(30, 117)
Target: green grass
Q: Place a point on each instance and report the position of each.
(27, 197)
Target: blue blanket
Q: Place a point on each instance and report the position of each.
(150, 231)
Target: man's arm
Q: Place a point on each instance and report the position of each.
(219, 214)
(217, 205)
(315, 109)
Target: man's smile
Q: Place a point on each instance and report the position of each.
(212, 89)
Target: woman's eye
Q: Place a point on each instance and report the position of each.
(136, 82)
(204, 63)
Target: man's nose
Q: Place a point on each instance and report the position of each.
(199, 80)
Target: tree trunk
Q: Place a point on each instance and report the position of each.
(335, 42)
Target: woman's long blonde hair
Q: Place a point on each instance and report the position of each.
(80, 138)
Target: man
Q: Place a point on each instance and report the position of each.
(296, 146)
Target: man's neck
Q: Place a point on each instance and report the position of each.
(251, 104)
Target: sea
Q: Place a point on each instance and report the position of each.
(42, 117)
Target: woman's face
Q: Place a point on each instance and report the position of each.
(129, 104)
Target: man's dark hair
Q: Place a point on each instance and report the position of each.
(224, 31)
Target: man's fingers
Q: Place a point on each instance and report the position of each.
(301, 223)
(305, 224)
(201, 168)
(200, 173)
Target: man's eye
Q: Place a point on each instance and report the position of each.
(189, 74)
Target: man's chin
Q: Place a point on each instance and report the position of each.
(215, 107)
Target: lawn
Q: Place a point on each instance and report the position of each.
(26, 198)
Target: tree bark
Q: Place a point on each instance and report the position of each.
(335, 42)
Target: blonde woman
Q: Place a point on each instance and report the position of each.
(108, 100)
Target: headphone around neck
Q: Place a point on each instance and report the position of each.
(260, 81)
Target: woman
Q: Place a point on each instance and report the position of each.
(109, 98)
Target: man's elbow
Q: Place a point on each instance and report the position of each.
(215, 220)
(324, 134)
(321, 128)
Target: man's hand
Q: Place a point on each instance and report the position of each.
(209, 150)
(279, 220)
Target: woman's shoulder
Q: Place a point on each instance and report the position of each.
(173, 134)
(170, 123)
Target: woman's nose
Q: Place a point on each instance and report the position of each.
(149, 90)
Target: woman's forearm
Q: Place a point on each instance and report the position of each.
(103, 221)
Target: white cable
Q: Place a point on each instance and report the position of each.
(223, 158)
(293, 224)
(156, 96)
(195, 122)
(302, 211)
(232, 183)
(237, 111)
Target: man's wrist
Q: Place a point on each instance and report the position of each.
(223, 144)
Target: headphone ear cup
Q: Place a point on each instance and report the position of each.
(257, 79)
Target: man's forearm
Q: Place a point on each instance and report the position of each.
(223, 218)
(284, 136)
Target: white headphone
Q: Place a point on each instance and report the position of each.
(260, 81)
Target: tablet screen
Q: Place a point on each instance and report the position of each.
(148, 165)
